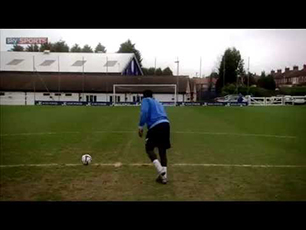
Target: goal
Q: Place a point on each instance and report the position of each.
(133, 93)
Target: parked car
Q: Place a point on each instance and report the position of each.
(230, 98)
(294, 100)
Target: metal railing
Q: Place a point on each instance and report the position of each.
(276, 101)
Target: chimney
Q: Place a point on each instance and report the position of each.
(272, 72)
(287, 69)
(279, 71)
(295, 68)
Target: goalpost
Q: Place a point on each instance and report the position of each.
(129, 88)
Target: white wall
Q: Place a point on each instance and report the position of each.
(12, 98)
(164, 97)
(41, 97)
(28, 98)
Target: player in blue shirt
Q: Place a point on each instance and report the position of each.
(240, 98)
(153, 114)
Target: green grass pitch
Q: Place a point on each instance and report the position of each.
(227, 137)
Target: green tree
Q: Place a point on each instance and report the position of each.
(263, 74)
(17, 48)
(87, 49)
(229, 89)
(100, 48)
(46, 46)
(145, 71)
(232, 67)
(128, 47)
(167, 71)
(60, 46)
(158, 72)
(266, 82)
(76, 49)
(262, 80)
(32, 48)
(151, 71)
(251, 79)
(214, 75)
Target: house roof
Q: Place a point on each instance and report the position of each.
(299, 73)
(73, 82)
(290, 74)
(66, 62)
(204, 80)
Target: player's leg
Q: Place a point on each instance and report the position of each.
(163, 159)
(153, 157)
(165, 144)
(163, 156)
(151, 154)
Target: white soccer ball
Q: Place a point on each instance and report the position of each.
(86, 159)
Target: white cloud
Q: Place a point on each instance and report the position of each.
(267, 49)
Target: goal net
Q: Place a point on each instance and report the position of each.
(133, 93)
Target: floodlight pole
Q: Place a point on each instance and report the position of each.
(248, 74)
(34, 82)
(224, 71)
(83, 77)
(155, 67)
(200, 66)
(59, 78)
(177, 77)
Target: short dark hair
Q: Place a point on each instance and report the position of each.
(147, 93)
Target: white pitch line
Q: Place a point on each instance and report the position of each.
(236, 134)
(30, 134)
(119, 164)
(236, 165)
(176, 132)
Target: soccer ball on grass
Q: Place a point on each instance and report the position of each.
(86, 159)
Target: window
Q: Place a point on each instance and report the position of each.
(57, 94)
(46, 94)
(47, 63)
(68, 94)
(15, 62)
(2, 94)
(110, 63)
(79, 63)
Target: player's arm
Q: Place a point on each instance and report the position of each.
(143, 116)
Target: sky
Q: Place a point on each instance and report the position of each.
(267, 49)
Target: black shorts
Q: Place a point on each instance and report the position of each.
(158, 136)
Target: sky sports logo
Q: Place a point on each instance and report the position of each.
(26, 41)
